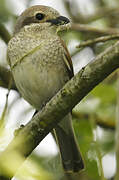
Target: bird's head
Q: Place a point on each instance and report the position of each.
(41, 14)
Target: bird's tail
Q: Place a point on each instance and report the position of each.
(69, 150)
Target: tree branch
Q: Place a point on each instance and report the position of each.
(62, 103)
(102, 12)
(4, 178)
(5, 35)
(97, 40)
(5, 77)
(102, 122)
(86, 28)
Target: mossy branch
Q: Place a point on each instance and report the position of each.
(62, 103)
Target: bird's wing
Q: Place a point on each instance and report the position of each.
(67, 60)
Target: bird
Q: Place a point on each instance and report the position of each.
(41, 65)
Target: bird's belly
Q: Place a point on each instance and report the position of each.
(38, 82)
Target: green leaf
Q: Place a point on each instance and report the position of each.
(88, 148)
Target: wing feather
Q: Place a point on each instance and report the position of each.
(67, 60)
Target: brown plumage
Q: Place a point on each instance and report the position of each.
(41, 65)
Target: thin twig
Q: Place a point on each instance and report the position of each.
(97, 40)
(89, 29)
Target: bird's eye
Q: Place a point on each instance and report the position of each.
(39, 16)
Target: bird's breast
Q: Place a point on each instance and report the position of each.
(38, 69)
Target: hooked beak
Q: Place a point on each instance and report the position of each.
(61, 20)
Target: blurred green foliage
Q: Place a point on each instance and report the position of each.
(94, 117)
(88, 147)
(4, 12)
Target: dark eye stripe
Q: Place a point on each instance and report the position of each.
(28, 21)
